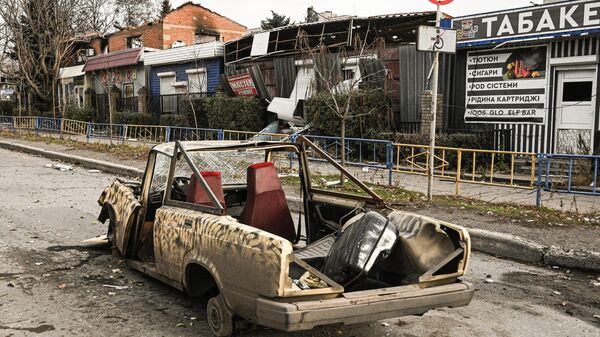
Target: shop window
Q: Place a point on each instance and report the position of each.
(166, 83)
(577, 91)
(135, 42)
(128, 90)
(197, 80)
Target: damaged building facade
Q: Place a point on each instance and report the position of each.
(531, 74)
(186, 41)
(273, 65)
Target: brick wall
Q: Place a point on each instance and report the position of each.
(179, 25)
(198, 18)
(152, 37)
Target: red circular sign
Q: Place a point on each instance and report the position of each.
(440, 2)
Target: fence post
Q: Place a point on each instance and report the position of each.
(389, 162)
(220, 134)
(37, 122)
(538, 198)
(458, 170)
(124, 133)
(88, 133)
(167, 134)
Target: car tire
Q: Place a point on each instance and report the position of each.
(219, 317)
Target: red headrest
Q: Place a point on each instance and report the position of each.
(210, 174)
(261, 165)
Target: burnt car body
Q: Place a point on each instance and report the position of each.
(212, 218)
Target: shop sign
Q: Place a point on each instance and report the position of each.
(554, 18)
(507, 86)
(242, 85)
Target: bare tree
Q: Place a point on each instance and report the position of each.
(338, 74)
(42, 34)
(101, 15)
(135, 12)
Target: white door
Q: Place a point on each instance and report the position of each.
(575, 110)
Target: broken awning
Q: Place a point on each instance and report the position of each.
(71, 72)
(114, 60)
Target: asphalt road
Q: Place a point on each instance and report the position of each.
(52, 286)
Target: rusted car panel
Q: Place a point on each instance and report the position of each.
(362, 307)
(358, 260)
(230, 250)
(121, 201)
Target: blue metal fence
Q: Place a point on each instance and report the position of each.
(193, 134)
(6, 123)
(561, 173)
(48, 124)
(567, 173)
(117, 132)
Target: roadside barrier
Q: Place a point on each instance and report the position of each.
(575, 174)
(247, 135)
(567, 173)
(468, 166)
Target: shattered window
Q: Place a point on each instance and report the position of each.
(161, 173)
(231, 164)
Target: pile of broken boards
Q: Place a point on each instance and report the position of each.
(373, 251)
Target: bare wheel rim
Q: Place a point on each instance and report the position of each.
(214, 317)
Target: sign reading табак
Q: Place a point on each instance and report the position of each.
(568, 16)
(506, 87)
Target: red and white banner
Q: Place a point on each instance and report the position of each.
(242, 85)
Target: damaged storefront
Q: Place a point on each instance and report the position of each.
(531, 74)
(276, 65)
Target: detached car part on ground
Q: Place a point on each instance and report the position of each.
(211, 218)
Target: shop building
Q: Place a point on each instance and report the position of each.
(531, 73)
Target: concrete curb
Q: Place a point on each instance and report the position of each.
(105, 166)
(494, 243)
(506, 245)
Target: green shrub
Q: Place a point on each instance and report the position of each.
(174, 120)
(7, 108)
(234, 113)
(200, 117)
(372, 109)
(86, 114)
(133, 118)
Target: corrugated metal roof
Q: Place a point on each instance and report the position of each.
(114, 60)
(185, 54)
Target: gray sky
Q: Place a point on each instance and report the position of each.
(250, 13)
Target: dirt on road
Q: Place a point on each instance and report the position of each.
(50, 285)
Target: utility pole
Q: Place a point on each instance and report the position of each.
(434, 103)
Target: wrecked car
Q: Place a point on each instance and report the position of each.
(214, 219)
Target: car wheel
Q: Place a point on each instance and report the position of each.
(219, 317)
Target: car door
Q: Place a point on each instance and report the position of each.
(121, 205)
(174, 233)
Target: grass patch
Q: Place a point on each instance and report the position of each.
(121, 151)
(397, 197)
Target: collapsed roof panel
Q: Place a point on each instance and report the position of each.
(397, 28)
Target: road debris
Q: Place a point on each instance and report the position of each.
(62, 286)
(10, 284)
(386, 324)
(94, 171)
(115, 287)
(557, 293)
(39, 263)
(60, 167)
